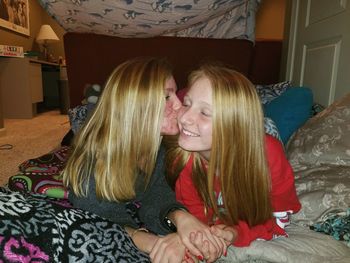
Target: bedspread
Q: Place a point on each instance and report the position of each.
(185, 18)
(35, 228)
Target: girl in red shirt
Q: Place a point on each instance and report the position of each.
(226, 170)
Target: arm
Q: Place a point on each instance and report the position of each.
(197, 237)
(157, 200)
(113, 211)
(196, 223)
(171, 249)
(283, 198)
(160, 249)
(142, 239)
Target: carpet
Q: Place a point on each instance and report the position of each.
(30, 138)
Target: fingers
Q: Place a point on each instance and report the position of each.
(214, 246)
(157, 252)
(208, 251)
(192, 248)
(189, 258)
(225, 232)
(169, 249)
(223, 246)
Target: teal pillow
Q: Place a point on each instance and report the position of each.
(271, 128)
(290, 110)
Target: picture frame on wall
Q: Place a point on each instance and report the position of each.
(14, 15)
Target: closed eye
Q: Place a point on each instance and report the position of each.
(207, 114)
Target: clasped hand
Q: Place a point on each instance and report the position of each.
(194, 241)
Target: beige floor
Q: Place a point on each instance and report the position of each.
(30, 138)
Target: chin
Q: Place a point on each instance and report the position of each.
(185, 145)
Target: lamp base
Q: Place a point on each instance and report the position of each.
(46, 53)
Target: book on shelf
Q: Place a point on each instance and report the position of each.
(11, 51)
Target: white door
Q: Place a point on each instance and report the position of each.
(318, 47)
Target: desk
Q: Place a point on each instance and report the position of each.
(21, 86)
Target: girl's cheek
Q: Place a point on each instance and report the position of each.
(168, 108)
(181, 112)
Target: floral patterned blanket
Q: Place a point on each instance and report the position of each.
(36, 228)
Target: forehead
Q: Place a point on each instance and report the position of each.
(201, 90)
(170, 84)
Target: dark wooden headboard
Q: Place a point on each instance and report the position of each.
(91, 58)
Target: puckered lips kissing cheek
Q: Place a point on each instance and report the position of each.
(170, 126)
(172, 106)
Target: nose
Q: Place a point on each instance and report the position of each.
(177, 104)
(185, 116)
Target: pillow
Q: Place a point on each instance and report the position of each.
(324, 139)
(290, 110)
(271, 128)
(42, 175)
(319, 153)
(268, 93)
(78, 115)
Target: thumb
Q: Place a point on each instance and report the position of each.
(225, 232)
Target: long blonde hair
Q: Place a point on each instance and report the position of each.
(122, 136)
(238, 150)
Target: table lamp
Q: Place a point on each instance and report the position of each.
(46, 35)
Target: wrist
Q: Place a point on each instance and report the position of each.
(177, 215)
(166, 216)
(142, 229)
(142, 238)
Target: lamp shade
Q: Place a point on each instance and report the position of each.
(46, 35)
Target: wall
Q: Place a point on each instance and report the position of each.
(270, 19)
(37, 17)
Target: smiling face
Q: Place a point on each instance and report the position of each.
(172, 106)
(195, 118)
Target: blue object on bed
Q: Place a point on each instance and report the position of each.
(290, 110)
(337, 225)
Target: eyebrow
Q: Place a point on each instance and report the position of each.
(201, 102)
(171, 89)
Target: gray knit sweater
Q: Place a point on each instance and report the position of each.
(155, 202)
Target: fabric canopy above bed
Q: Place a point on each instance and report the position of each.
(147, 18)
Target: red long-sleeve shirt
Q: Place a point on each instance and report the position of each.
(283, 197)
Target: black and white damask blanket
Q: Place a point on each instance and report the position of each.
(36, 228)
